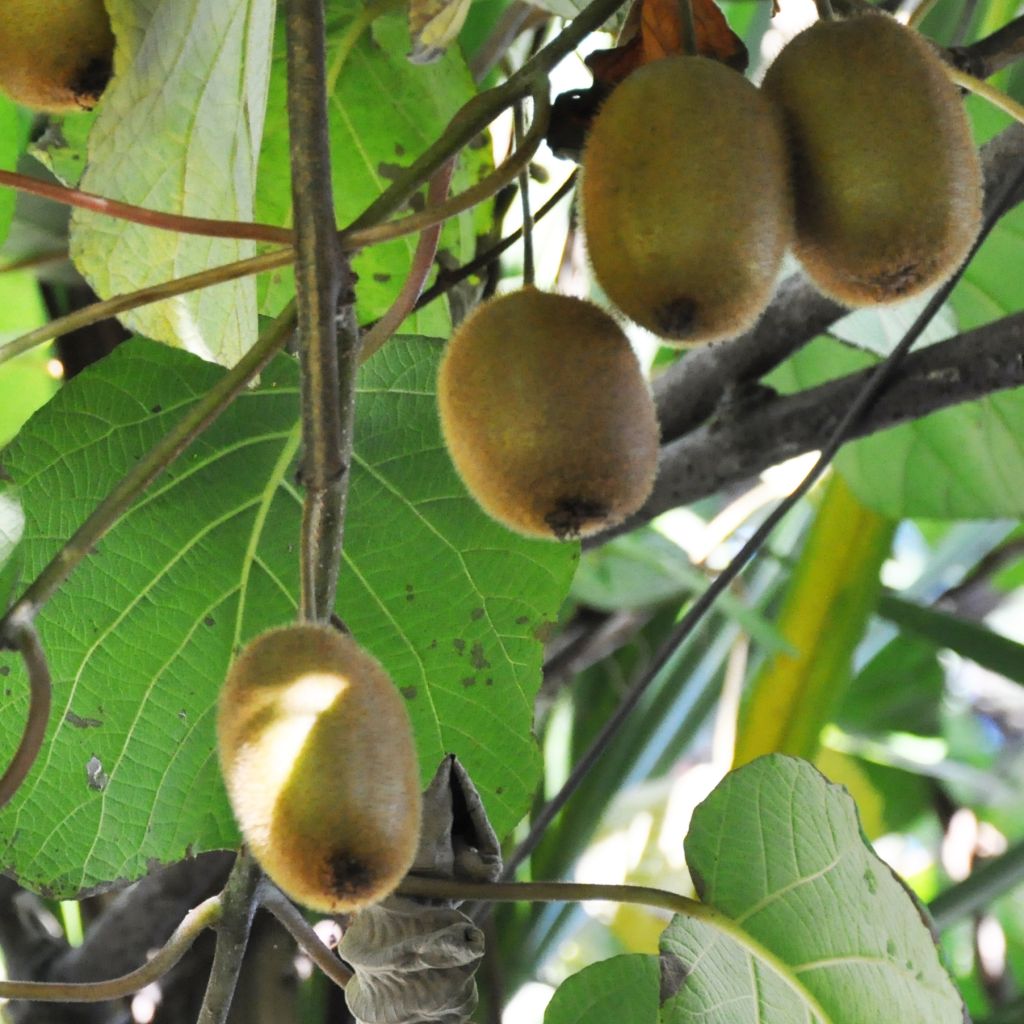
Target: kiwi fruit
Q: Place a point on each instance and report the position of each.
(318, 759)
(887, 181)
(55, 55)
(686, 199)
(547, 416)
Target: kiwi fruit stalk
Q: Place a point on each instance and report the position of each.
(686, 200)
(318, 759)
(547, 416)
(55, 55)
(888, 184)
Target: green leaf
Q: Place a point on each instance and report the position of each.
(140, 636)
(179, 131)
(621, 990)
(12, 527)
(990, 650)
(966, 462)
(898, 690)
(384, 111)
(25, 383)
(13, 135)
(817, 928)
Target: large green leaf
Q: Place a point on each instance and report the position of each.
(965, 462)
(140, 636)
(621, 990)
(179, 130)
(384, 111)
(818, 928)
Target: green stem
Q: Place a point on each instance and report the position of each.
(143, 297)
(996, 97)
(197, 920)
(576, 892)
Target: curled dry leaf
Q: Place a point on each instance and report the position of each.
(653, 30)
(415, 960)
(433, 25)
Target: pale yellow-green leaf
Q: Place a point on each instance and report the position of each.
(179, 130)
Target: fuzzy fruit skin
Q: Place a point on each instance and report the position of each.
(317, 755)
(547, 416)
(55, 55)
(686, 199)
(888, 183)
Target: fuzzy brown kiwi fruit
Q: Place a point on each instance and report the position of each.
(318, 759)
(686, 202)
(55, 55)
(886, 177)
(547, 416)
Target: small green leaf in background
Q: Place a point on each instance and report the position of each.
(621, 990)
(383, 113)
(990, 650)
(25, 382)
(966, 462)
(824, 931)
(179, 130)
(140, 636)
(13, 136)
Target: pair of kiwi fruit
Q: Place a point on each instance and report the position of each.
(55, 55)
(856, 148)
(318, 759)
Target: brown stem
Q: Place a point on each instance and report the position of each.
(207, 227)
(309, 942)
(20, 633)
(238, 905)
(322, 278)
(422, 261)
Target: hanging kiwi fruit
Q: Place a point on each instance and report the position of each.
(55, 56)
(547, 416)
(686, 199)
(318, 759)
(887, 181)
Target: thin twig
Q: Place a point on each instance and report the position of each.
(484, 108)
(524, 197)
(20, 633)
(207, 227)
(322, 280)
(995, 96)
(98, 311)
(273, 900)
(999, 50)
(577, 892)
(150, 466)
(196, 921)
(238, 906)
(422, 260)
(447, 279)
